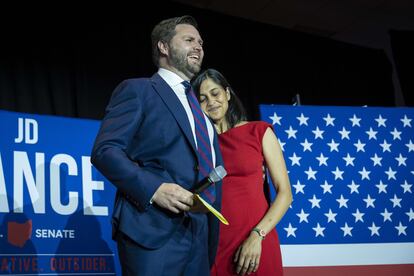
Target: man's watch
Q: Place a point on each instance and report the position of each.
(259, 231)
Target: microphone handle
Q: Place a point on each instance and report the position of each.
(203, 186)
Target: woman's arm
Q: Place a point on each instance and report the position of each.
(277, 168)
(248, 254)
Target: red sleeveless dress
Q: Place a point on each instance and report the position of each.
(244, 203)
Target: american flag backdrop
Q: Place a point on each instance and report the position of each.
(352, 174)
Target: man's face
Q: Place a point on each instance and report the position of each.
(186, 50)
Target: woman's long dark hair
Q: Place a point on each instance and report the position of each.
(236, 112)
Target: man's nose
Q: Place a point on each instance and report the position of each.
(198, 46)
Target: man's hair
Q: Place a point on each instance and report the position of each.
(165, 31)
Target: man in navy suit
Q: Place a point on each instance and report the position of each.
(146, 147)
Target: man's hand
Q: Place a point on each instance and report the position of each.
(198, 206)
(173, 197)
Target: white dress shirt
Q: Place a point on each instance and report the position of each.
(175, 82)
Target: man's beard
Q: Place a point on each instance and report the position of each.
(179, 61)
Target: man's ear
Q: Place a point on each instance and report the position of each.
(163, 47)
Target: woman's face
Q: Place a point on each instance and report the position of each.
(214, 100)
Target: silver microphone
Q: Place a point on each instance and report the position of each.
(217, 174)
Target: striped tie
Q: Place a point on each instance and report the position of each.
(205, 158)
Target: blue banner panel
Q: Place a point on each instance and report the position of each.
(55, 207)
(351, 171)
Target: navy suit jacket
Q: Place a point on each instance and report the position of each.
(145, 139)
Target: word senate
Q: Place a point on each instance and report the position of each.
(55, 233)
(25, 182)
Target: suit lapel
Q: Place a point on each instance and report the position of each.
(174, 105)
(219, 158)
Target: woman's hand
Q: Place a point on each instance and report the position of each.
(247, 256)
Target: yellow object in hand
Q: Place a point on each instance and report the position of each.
(214, 211)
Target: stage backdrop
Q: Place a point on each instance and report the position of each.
(54, 206)
(351, 169)
(352, 176)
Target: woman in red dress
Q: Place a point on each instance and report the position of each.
(249, 245)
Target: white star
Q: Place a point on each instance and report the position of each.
(358, 216)
(406, 121)
(391, 173)
(355, 120)
(290, 230)
(387, 215)
(406, 187)
(326, 187)
(338, 173)
(349, 160)
(302, 119)
(291, 132)
(354, 187)
(401, 160)
(369, 201)
(299, 187)
(315, 202)
(360, 146)
(303, 216)
(306, 145)
(396, 134)
(344, 133)
(364, 173)
(396, 201)
(376, 160)
(275, 119)
(347, 230)
(329, 120)
(410, 214)
(318, 133)
(281, 144)
(311, 173)
(322, 160)
(381, 187)
(371, 134)
(385, 146)
(342, 202)
(401, 229)
(410, 146)
(381, 121)
(295, 159)
(318, 230)
(331, 216)
(374, 229)
(333, 145)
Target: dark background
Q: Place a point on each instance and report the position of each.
(68, 63)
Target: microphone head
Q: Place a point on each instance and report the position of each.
(217, 174)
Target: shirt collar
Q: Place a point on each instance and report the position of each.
(171, 78)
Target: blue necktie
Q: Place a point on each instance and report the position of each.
(205, 158)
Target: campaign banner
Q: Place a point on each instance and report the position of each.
(352, 174)
(55, 207)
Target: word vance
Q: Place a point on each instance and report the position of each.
(61, 168)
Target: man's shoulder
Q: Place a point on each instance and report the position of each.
(134, 84)
(143, 81)
(136, 81)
